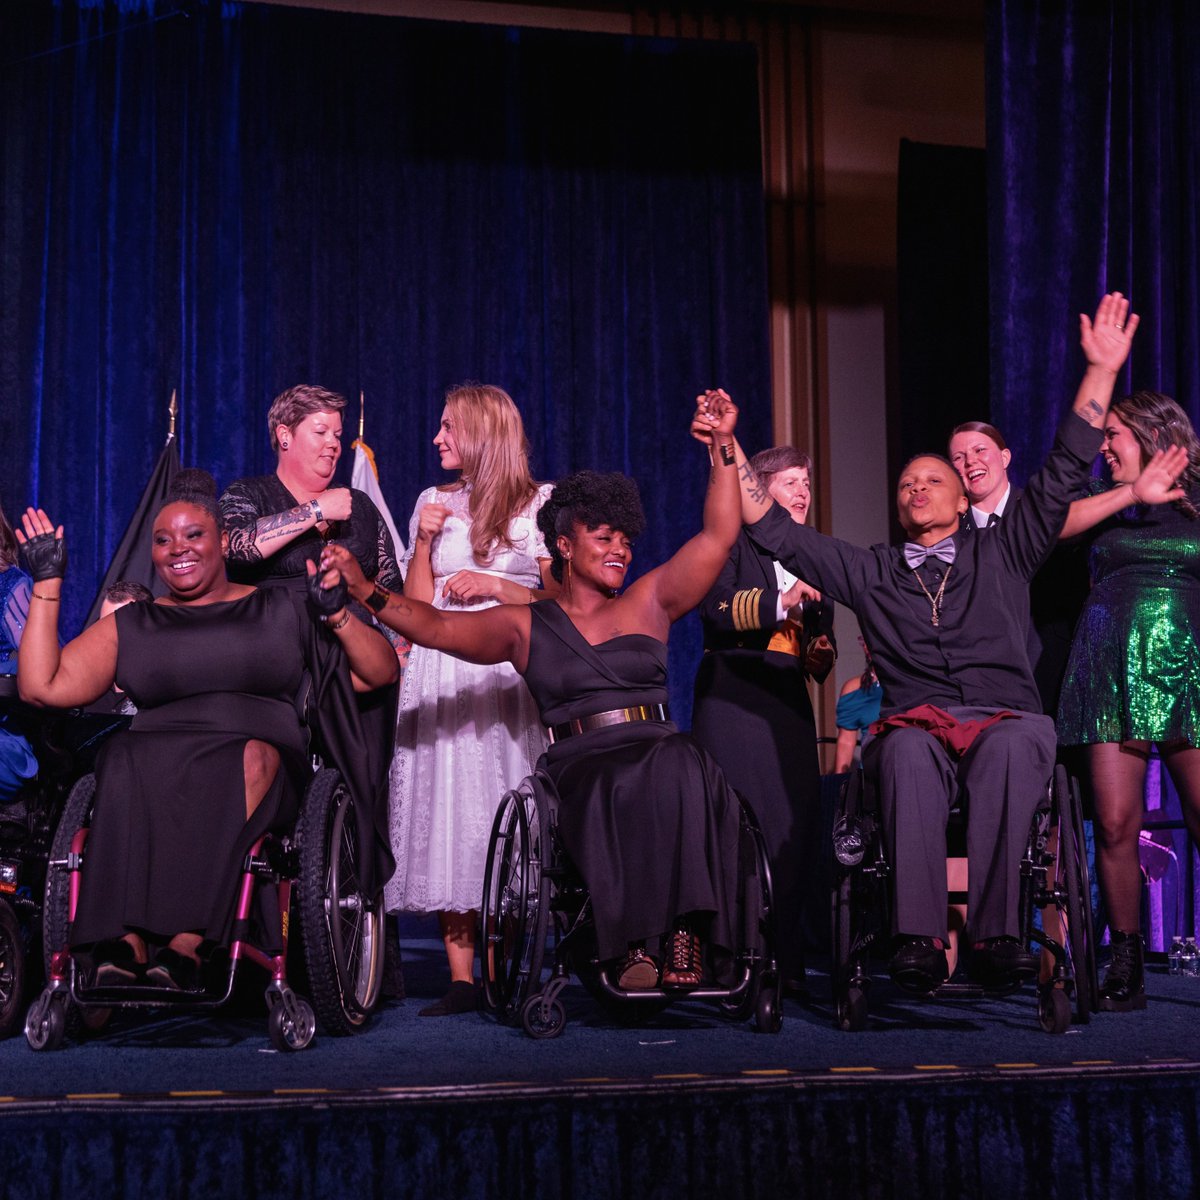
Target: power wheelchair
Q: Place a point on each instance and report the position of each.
(1053, 879)
(310, 878)
(533, 893)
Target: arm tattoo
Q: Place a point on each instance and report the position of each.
(1092, 412)
(754, 487)
(282, 522)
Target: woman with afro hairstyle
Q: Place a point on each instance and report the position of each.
(646, 814)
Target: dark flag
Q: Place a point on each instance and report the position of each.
(132, 562)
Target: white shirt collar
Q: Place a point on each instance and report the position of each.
(981, 518)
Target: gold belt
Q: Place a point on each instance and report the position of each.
(614, 716)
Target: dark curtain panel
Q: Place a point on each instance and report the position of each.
(231, 198)
(1094, 161)
(941, 263)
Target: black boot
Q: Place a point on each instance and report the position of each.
(1124, 986)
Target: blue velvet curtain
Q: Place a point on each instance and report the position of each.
(1094, 159)
(231, 198)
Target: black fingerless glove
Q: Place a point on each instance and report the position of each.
(45, 557)
(326, 601)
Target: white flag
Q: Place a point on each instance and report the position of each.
(365, 476)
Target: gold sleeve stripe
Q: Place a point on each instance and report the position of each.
(745, 609)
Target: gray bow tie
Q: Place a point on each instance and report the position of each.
(915, 555)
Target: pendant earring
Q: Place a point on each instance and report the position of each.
(568, 570)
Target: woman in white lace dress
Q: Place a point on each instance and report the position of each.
(466, 733)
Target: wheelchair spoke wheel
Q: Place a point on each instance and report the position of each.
(12, 971)
(514, 911)
(341, 927)
(76, 813)
(1072, 858)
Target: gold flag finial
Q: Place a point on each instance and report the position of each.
(173, 409)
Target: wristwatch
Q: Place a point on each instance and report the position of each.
(377, 600)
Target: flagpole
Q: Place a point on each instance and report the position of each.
(173, 409)
(362, 407)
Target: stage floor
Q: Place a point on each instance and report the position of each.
(403, 1057)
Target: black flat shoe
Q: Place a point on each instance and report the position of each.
(919, 965)
(461, 998)
(173, 970)
(1001, 964)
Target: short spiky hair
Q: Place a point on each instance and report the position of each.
(590, 499)
(291, 407)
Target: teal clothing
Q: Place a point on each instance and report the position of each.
(1134, 670)
(860, 708)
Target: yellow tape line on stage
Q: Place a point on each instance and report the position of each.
(94, 1095)
(936, 1067)
(1011, 1066)
(853, 1070)
(769, 1071)
(180, 1095)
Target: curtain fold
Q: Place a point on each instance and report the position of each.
(231, 198)
(1094, 161)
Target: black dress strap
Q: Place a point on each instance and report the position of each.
(550, 613)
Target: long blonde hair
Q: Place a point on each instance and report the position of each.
(491, 443)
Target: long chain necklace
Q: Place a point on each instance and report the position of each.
(935, 602)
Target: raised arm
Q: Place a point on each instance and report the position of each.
(832, 566)
(1105, 342)
(1155, 485)
(685, 578)
(493, 635)
(84, 669)
(1038, 521)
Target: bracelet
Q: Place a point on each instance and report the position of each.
(316, 509)
(50, 599)
(339, 624)
(728, 455)
(1133, 493)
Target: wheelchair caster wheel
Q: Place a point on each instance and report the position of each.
(46, 1024)
(540, 1021)
(291, 1026)
(768, 1012)
(1054, 1010)
(852, 1011)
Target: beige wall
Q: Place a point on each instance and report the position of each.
(842, 82)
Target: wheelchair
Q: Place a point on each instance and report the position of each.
(1053, 878)
(533, 894)
(65, 743)
(309, 879)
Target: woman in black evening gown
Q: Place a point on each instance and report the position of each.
(645, 814)
(215, 756)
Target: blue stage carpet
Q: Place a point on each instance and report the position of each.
(932, 1100)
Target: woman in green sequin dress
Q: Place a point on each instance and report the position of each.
(1133, 679)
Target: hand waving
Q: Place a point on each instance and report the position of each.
(42, 545)
(1106, 339)
(1157, 482)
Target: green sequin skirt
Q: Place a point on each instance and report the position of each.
(1134, 670)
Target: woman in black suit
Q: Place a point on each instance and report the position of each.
(766, 634)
